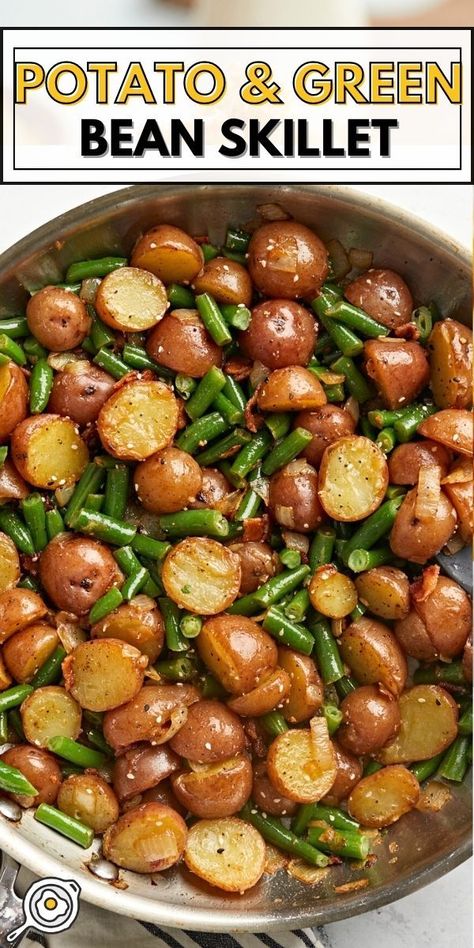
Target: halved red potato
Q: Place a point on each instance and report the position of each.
(447, 616)
(141, 768)
(201, 575)
(104, 673)
(88, 798)
(287, 260)
(332, 593)
(348, 773)
(373, 654)
(382, 798)
(19, 608)
(25, 652)
(258, 562)
(215, 790)
(412, 634)
(293, 497)
(152, 715)
(419, 540)
(270, 693)
(140, 418)
(181, 342)
(237, 651)
(12, 486)
(50, 712)
(131, 300)
(226, 280)
(49, 451)
(13, 398)
(429, 717)
(9, 563)
(399, 369)
(450, 349)
(452, 427)
(405, 461)
(168, 252)
(210, 733)
(227, 853)
(371, 719)
(40, 768)
(76, 571)
(461, 497)
(167, 481)
(281, 333)
(138, 622)
(385, 590)
(148, 838)
(58, 318)
(293, 388)
(266, 796)
(306, 688)
(384, 295)
(302, 763)
(353, 478)
(79, 391)
(327, 424)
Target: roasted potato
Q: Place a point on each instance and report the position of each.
(258, 563)
(79, 391)
(266, 796)
(450, 350)
(152, 715)
(48, 451)
(13, 398)
(270, 693)
(131, 300)
(373, 654)
(19, 608)
(419, 540)
(287, 260)
(293, 388)
(12, 486)
(104, 673)
(139, 623)
(149, 838)
(461, 497)
(452, 427)
(214, 490)
(139, 418)
(412, 635)
(182, 343)
(5, 679)
(306, 688)
(58, 318)
(332, 593)
(167, 481)
(382, 798)
(211, 733)
(40, 768)
(293, 498)
(88, 798)
(371, 718)
(353, 478)
(428, 725)
(141, 768)
(25, 652)
(405, 461)
(302, 764)
(327, 424)
(467, 660)
(281, 333)
(382, 294)
(50, 712)
(169, 253)
(237, 651)
(201, 575)
(226, 280)
(227, 853)
(446, 615)
(348, 774)
(385, 591)
(9, 563)
(399, 369)
(215, 790)
(75, 571)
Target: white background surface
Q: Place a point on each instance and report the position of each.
(441, 914)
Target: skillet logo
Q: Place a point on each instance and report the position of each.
(50, 906)
(374, 103)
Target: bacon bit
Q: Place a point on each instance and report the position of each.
(255, 737)
(256, 528)
(239, 368)
(433, 797)
(182, 417)
(310, 875)
(202, 239)
(351, 886)
(29, 564)
(253, 421)
(274, 860)
(424, 586)
(407, 331)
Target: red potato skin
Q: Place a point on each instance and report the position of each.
(160, 814)
(384, 295)
(267, 797)
(145, 714)
(296, 487)
(211, 732)
(214, 487)
(250, 653)
(416, 541)
(181, 342)
(75, 571)
(371, 719)
(167, 481)
(378, 639)
(453, 427)
(405, 461)
(141, 768)
(281, 333)
(327, 424)
(258, 563)
(14, 404)
(40, 768)
(271, 245)
(58, 318)
(446, 614)
(349, 772)
(216, 795)
(412, 635)
(399, 369)
(19, 608)
(12, 485)
(80, 395)
(226, 280)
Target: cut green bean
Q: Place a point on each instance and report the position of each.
(210, 385)
(373, 529)
(320, 811)
(13, 781)
(237, 239)
(41, 383)
(426, 768)
(456, 760)
(89, 483)
(190, 625)
(386, 440)
(355, 382)
(75, 753)
(15, 723)
(11, 349)
(465, 722)
(35, 516)
(279, 424)
(343, 338)
(406, 427)
(14, 326)
(361, 560)
(450, 673)
(213, 319)
(54, 523)
(199, 432)
(134, 584)
(211, 688)
(3, 454)
(423, 320)
(145, 545)
(175, 640)
(333, 717)
(349, 844)
(116, 491)
(328, 659)
(233, 391)
(29, 582)
(106, 604)
(111, 363)
(274, 832)
(227, 409)
(249, 505)
(296, 609)
(94, 502)
(180, 297)
(97, 739)
(126, 559)
(393, 491)
(209, 252)
(178, 668)
(270, 592)
(286, 450)
(367, 429)
(357, 319)
(13, 526)
(273, 723)
(101, 335)
(65, 825)
(50, 671)
(105, 528)
(322, 548)
(345, 686)
(224, 448)
(194, 523)
(185, 385)
(287, 632)
(13, 697)
(252, 453)
(238, 482)
(386, 418)
(87, 269)
(235, 255)
(3, 727)
(358, 611)
(238, 316)
(371, 767)
(137, 358)
(290, 558)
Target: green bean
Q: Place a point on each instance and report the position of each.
(89, 483)
(288, 632)
(342, 337)
(148, 546)
(13, 781)
(423, 320)
(384, 418)
(97, 739)
(373, 529)
(333, 716)
(356, 319)
(358, 611)
(180, 297)
(456, 760)
(274, 832)
(199, 432)
(238, 316)
(101, 335)
(75, 753)
(386, 440)
(134, 584)
(227, 409)
(426, 768)
(3, 454)
(29, 582)
(393, 491)
(249, 505)
(237, 239)
(361, 560)
(406, 427)
(41, 383)
(320, 811)
(11, 524)
(194, 523)
(367, 428)
(328, 659)
(234, 393)
(105, 528)
(465, 722)
(190, 625)
(356, 383)
(235, 255)
(286, 450)
(298, 607)
(371, 767)
(322, 547)
(238, 482)
(70, 770)
(175, 640)
(14, 326)
(213, 319)
(279, 424)
(50, 671)
(16, 724)
(111, 600)
(13, 697)
(349, 844)
(185, 385)
(94, 502)
(345, 686)
(211, 688)
(252, 453)
(224, 447)
(66, 825)
(54, 523)
(111, 363)
(451, 673)
(324, 344)
(126, 559)
(116, 491)
(86, 269)
(290, 558)
(137, 358)
(209, 252)
(3, 727)
(209, 386)
(270, 592)
(273, 723)
(11, 349)
(178, 668)
(35, 517)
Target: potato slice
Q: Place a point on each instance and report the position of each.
(202, 576)
(104, 673)
(50, 712)
(89, 799)
(332, 593)
(383, 797)
(429, 717)
(269, 693)
(141, 417)
(227, 853)
(26, 651)
(131, 300)
(19, 608)
(353, 478)
(293, 388)
(385, 590)
(450, 348)
(306, 688)
(215, 790)
(169, 253)
(149, 838)
(48, 451)
(302, 764)
(374, 655)
(452, 427)
(138, 622)
(9, 563)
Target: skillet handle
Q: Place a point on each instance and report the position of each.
(11, 906)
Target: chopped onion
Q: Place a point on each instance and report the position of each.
(63, 495)
(259, 373)
(152, 673)
(351, 886)
(295, 541)
(331, 378)
(360, 259)
(273, 212)
(59, 360)
(284, 258)
(352, 406)
(340, 265)
(454, 544)
(428, 492)
(69, 631)
(337, 627)
(228, 504)
(89, 288)
(285, 515)
(274, 859)
(460, 473)
(302, 871)
(177, 718)
(433, 797)
(422, 588)
(324, 771)
(261, 486)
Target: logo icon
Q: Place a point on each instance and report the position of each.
(49, 905)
